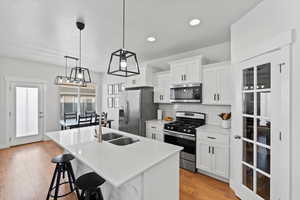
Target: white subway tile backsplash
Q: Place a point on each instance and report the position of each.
(211, 111)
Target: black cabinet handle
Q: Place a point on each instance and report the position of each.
(213, 138)
(214, 97)
(209, 149)
(213, 150)
(218, 96)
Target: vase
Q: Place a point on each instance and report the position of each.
(226, 124)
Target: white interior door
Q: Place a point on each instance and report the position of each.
(262, 125)
(26, 113)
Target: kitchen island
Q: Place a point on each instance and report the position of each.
(143, 170)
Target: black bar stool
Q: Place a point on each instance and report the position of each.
(63, 165)
(89, 184)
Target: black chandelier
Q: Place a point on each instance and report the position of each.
(79, 73)
(66, 80)
(123, 62)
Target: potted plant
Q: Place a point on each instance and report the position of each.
(226, 120)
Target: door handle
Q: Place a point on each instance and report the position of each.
(214, 97)
(213, 150)
(237, 137)
(185, 77)
(218, 97)
(209, 149)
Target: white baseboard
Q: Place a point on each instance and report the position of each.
(3, 146)
(213, 176)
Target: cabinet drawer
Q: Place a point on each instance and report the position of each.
(213, 137)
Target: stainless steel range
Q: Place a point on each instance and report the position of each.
(182, 132)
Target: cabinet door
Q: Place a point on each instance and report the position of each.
(220, 160)
(203, 160)
(193, 71)
(209, 86)
(159, 137)
(158, 95)
(148, 130)
(177, 72)
(224, 85)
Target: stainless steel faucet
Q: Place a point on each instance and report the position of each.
(99, 133)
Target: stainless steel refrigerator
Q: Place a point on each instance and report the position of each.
(136, 107)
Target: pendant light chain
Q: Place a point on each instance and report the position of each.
(79, 48)
(66, 66)
(126, 61)
(124, 24)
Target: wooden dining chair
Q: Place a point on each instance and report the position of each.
(70, 116)
(84, 121)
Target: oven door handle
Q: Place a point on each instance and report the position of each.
(175, 134)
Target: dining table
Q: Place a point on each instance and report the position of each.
(69, 123)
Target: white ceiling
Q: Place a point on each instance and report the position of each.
(44, 30)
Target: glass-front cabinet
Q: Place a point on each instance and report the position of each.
(256, 128)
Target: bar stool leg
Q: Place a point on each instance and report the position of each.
(52, 182)
(71, 181)
(73, 178)
(87, 195)
(99, 194)
(57, 183)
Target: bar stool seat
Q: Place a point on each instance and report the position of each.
(62, 158)
(89, 184)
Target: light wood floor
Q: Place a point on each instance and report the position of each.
(26, 172)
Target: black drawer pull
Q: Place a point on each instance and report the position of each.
(213, 138)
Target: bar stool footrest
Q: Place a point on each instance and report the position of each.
(63, 195)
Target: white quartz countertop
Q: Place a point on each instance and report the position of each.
(213, 129)
(116, 164)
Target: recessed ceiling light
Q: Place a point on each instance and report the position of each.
(194, 22)
(151, 39)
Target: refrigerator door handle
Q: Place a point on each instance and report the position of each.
(127, 112)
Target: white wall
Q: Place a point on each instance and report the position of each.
(267, 20)
(113, 113)
(36, 71)
(216, 53)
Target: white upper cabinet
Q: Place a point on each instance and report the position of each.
(217, 84)
(162, 82)
(143, 79)
(186, 70)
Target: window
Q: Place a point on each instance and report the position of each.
(77, 100)
(68, 104)
(87, 104)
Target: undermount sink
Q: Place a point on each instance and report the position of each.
(111, 136)
(124, 141)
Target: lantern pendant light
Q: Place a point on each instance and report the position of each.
(127, 63)
(80, 74)
(67, 80)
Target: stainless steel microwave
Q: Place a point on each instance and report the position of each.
(191, 92)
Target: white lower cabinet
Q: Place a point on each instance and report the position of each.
(203, 156)
(154, 130)
(213, 155)
(220, 160)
